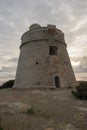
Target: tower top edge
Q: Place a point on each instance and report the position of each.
(38, 32)
(38, 26)
(34, 26)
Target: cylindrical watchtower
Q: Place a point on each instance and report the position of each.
(44, 60)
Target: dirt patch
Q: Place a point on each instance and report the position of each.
(48, 110)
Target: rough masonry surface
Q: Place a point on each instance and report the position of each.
(43, 59)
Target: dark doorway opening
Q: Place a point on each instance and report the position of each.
(57, 82)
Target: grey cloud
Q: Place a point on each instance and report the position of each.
(8, 65)
(16, 16)
(83, 65)
(14, 60)
(82, 30)
(7, 73)
(9, 69)
(79, 7)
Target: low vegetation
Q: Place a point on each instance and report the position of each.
(1, 128)
(7, 84)
(0, 125)
(30, 111)
(81, 90)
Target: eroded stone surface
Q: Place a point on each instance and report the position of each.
(44, 61)
(49, 110)
(49, 128)
(13, 107)
(82, 108)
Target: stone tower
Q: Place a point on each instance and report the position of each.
(44, 60)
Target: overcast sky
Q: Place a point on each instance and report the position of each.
(17, 15)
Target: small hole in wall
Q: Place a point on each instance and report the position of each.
(44, 30)
(36, 63)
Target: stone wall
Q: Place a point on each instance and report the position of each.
(36, 67)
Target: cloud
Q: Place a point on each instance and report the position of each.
(14, 60)
(16, 17)
(9, 69)
(82, 66)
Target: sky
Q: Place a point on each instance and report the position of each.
(17, 15)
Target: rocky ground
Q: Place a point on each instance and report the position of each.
(41, 110)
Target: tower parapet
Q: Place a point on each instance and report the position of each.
(38, 33)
